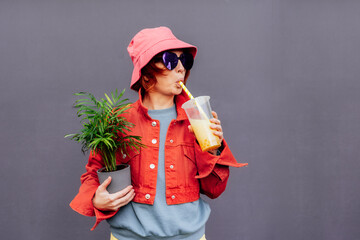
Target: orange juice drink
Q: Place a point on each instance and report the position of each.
(198, 111)
(207, 140)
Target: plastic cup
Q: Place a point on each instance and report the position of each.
(198, 111)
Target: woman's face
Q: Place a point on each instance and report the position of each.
(167, 81)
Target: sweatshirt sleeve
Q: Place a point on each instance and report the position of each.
(82, 203)
(213, 170)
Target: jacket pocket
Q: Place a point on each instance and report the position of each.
(188, 166)
(189, 152)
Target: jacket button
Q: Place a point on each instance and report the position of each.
(171, 141)
(153, 124)
(171, 166)
(173, 197)
(152, 166)
(124, 156)
(154, 141)
(147, 196)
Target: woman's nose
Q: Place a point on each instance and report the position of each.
(180, 67)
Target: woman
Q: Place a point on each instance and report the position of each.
(170, 173)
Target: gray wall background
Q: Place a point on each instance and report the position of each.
(282, 75)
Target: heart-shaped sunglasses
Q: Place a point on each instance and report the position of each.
(171, 60)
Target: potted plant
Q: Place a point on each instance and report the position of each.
(104, 131)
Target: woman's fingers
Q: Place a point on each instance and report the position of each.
(216, 121)
(104, 185)
(214, 114)
(122, 193)
(219, 134)
(216, 125)
(103, 200)
(125, 199)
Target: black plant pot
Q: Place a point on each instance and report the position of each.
(120, 179)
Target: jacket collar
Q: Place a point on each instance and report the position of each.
(179, 101)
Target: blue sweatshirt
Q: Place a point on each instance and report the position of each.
(161, 221)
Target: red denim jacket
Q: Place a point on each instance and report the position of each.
(188, 170)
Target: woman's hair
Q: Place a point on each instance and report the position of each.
(147, 79)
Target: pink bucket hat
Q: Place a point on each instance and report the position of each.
(149, 42)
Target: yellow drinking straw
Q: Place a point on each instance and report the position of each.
(186, 90)
(192, 97)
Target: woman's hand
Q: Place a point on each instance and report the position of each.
(105, 201)
(216, 126)
(217, 129)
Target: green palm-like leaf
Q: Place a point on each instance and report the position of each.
(104, 129)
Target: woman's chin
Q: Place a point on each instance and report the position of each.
(177, 91)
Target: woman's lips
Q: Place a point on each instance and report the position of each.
(178, 84)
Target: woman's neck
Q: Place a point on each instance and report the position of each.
(156, 101)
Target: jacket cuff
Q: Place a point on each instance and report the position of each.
(102, 215)
(82, 203)
(206, 162)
